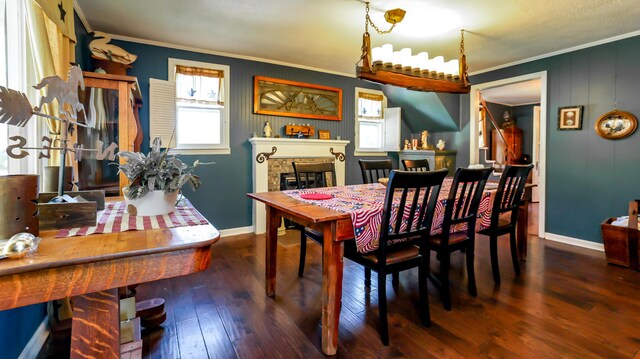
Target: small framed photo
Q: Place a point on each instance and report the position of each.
(570, 118)
(324, 134)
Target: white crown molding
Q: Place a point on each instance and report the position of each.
(83, 18)
(526, 104)
(574, 241)
(37, 340)
(226, 54)
(559, 52)
(514, 105)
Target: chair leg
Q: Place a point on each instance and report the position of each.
(514, 252)
(445, 294)
(471, 272)
(303, 252)
(423, 288)
(367, 277)
(495, 267)
(395, 279)
(382, 307)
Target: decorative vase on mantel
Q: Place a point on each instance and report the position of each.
(154, 203)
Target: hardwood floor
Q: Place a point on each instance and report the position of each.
(567, 303)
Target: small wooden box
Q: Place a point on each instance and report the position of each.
(293, 130)
(621, 243)
(69, 215)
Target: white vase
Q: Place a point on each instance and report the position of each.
(153, 203)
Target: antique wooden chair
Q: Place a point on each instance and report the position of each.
(312, 175)
(461, 209)
(372, 170)
(416, 165)
(403, 239)
(504, 214)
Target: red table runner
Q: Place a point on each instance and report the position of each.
(364, 205)
(114, 219)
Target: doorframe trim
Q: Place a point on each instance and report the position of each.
(474, 152)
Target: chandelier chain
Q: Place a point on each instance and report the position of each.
(461, 41)
(368, 21)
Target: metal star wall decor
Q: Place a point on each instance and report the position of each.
(63, 13)
(16, 110)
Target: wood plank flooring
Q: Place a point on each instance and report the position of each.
(568, 303)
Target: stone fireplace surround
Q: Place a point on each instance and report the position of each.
(290, 149)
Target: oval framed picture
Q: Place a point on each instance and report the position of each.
(616, 124)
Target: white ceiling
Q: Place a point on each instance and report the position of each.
(520, 93)
(327, 34)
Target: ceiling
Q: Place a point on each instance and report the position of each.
(327, 34)
(521, 93)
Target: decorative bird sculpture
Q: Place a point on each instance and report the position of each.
(101, 49)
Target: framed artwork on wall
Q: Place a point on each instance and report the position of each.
(570, 118)
(616, 124)
(296, 99)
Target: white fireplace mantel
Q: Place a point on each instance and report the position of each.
(263, 149)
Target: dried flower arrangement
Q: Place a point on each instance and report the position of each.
(156, 171)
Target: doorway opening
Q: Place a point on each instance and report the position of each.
(523, 97)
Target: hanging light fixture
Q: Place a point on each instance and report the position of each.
(401, 68)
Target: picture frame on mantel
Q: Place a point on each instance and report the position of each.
(324, 134)
(570, 118)
(278, 97)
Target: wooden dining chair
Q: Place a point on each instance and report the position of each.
(405, 227)
(461, 209)
(311, 175)
(416, 165)
(504, 214)
(372, 170)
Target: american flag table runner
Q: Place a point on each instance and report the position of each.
(364, 205)
(114, 219)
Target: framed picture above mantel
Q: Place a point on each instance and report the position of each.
(296, 99)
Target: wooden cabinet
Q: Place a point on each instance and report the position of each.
(437, 159)
(111, 103)
(446, 159)
(513, 138)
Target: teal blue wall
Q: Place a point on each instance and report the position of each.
(588, 178)
(523, 116)
(222, 198)
(17, 327)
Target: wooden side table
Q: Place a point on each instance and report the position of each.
(92, 268)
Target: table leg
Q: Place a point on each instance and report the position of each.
(271, 250)
(95, 329)
(332, 261)
(522, 229)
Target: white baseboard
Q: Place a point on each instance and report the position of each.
(574, 241)
(36, 342)
(235, 231)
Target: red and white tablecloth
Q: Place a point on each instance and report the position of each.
(114, 219)
(364, 204)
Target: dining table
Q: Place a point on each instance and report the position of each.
(348, 213)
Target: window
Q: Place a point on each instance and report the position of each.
(189, 112)
(377, 127)
(14, 61)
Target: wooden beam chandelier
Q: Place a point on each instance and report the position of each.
(400, 68)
